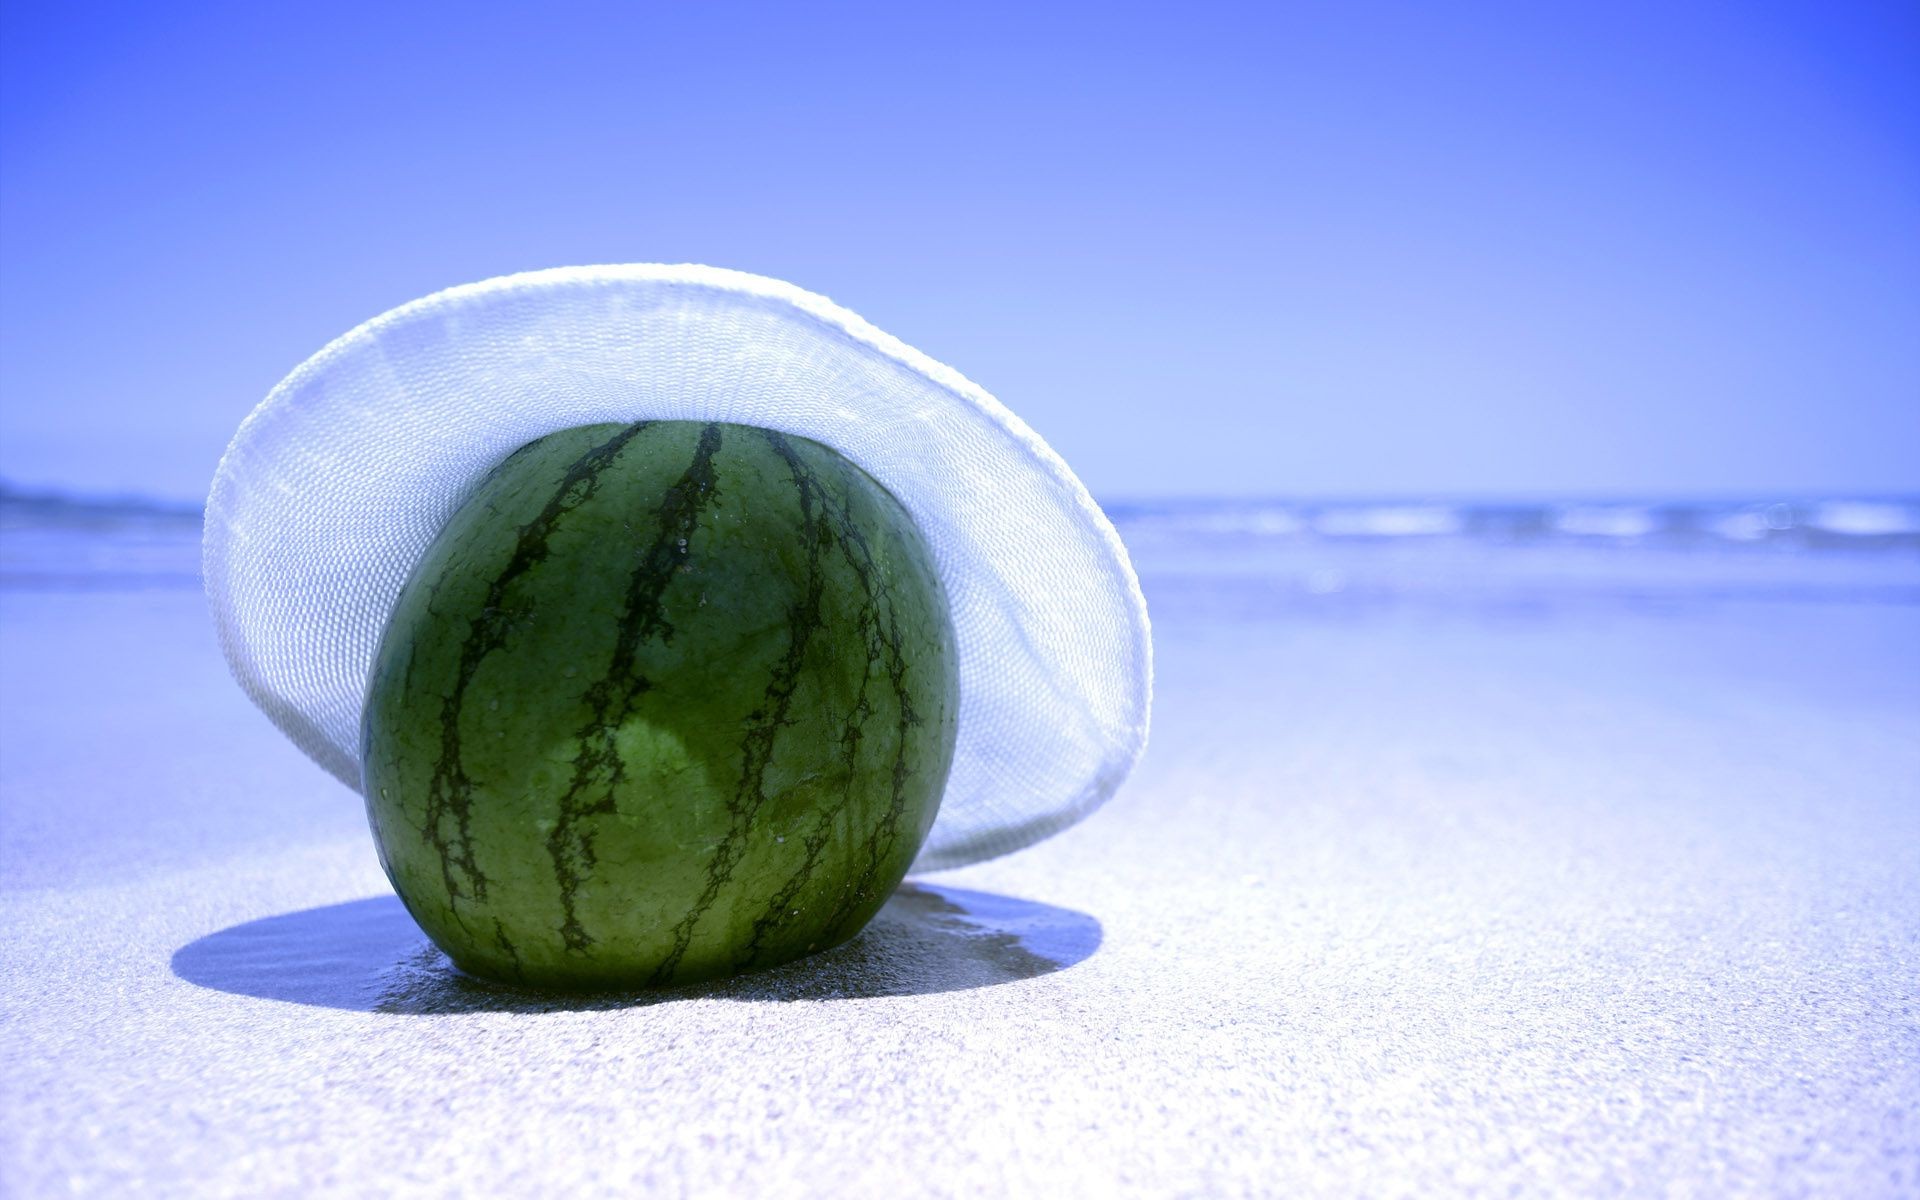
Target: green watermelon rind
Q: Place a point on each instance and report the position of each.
(662, 702)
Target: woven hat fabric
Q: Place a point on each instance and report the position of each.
(335, 485)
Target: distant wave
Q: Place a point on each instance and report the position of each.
(1863, 519)
(59, 542)
(21, 506)
(51, 541)
(1857, 523)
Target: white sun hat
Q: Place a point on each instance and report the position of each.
(334, 486)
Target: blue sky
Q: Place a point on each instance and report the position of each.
(1327, 249)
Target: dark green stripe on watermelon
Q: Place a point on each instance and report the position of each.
(662, 702)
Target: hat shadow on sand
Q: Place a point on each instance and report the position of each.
(369, 956)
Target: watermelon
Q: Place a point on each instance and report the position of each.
(661, 702)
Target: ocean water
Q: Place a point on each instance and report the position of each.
(1249, 559)
(1241, 557)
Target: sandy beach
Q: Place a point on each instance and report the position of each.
(1450, 870)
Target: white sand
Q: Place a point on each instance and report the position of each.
(1597, 896)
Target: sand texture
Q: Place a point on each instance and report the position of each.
(1555, 889)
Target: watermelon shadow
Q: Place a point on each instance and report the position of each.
(369, 956)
